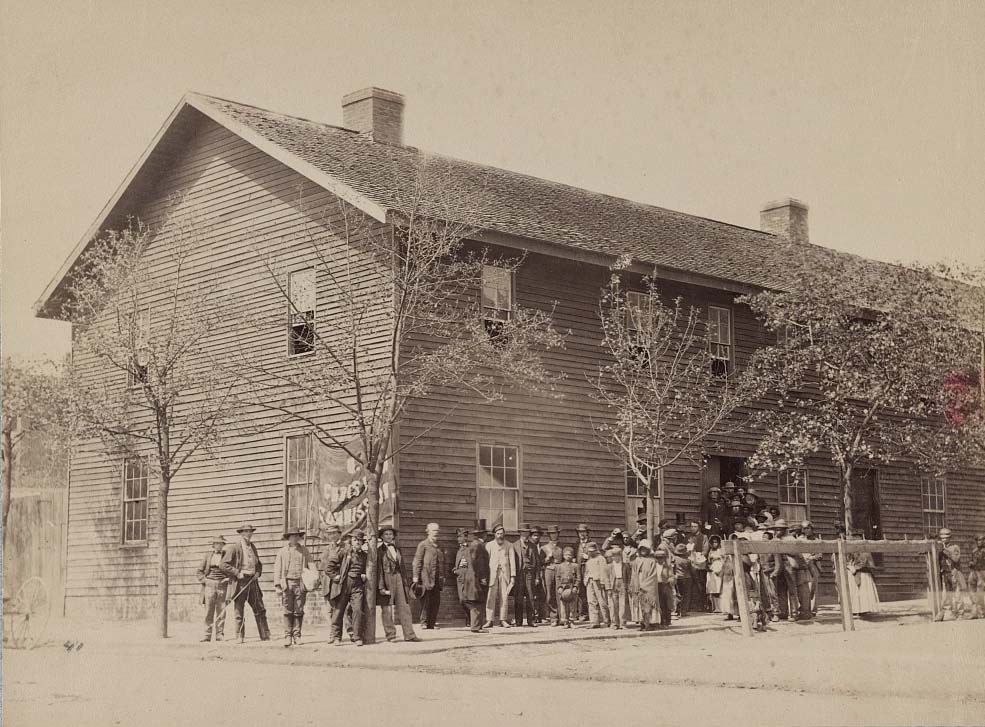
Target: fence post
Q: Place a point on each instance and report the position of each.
(845, 596)
(935, 582)
(931, 596)
(742, 596)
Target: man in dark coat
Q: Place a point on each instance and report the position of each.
(428, 575)
(552, 555)
(391, 597)
(715, 513)
(459, 565)
(241, 564)
(346, 572)
(472, 573)
(529, 565)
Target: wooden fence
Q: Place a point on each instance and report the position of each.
(840, 548)
(35, 542)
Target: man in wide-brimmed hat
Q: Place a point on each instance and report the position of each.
(241, 564)
(552, 554)
(214, 583)
(346, 571)
(392, 596)
(291, 561)
(472, 574)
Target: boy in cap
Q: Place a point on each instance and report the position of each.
(214, 584)
(346, 571)
(616, 584)
(290, 561)
(241, 564)
(552, 554)
(568, 575)
(598, 604)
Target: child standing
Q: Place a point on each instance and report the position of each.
(616, 587)
(645, 573)
(567, 587)
(598, 606)
(713, 582)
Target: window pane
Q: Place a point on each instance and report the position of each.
(510, 478)
(301, 288)
(485, 456)
(485, 477)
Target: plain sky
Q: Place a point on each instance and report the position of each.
(871, 112)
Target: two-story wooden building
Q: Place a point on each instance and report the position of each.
(520, 460)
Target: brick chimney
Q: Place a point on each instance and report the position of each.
(787, 218)
(375, 112)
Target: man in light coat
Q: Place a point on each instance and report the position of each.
(429, 572)
(291, 561)
(241, 564)
(502, 577)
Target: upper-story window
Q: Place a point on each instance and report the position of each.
(497, 297)
(140, 348)
(301, 312)
(720, 337)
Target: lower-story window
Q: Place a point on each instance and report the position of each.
(932, 496)
(498, 476)
(636, 504)
(135, 475)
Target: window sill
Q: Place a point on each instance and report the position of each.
(302, 354)
(135, 545)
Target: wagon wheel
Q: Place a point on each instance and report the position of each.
(29, 613)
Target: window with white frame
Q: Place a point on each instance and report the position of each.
(499, 486)
(140, 349)
(793, 495)
(636, 504)
(932, 497)
(497, 297)
(135, 477)
(297, 481)
(720, 337)
(301, 311)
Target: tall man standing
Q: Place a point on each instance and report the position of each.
(552, 555)
(525, 596)
(391, 597)
(214, 583)
(473, 576)
(459, 566)
(581, 557)
(241, 564)
(502, 577)
(346, 571)
(429, 572)
(291, 560)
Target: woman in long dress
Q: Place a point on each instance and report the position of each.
(862, 591)
(713, 579)
(727, 598)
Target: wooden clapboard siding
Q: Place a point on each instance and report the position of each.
(250, 206)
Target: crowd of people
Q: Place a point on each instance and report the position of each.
(625, 580)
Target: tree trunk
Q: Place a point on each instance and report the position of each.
(846, 494)
(162, 563)
(8, 476)
(372, 527)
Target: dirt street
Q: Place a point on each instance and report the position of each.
(918, 674)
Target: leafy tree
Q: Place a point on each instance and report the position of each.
(859, 367)
(663, 386)
(403, 320)
(147, 384)
(34, 407)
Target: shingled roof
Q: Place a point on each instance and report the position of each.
(382, 178)
(519, 204)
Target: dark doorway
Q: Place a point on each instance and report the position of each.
(865, 503)
(719, 470)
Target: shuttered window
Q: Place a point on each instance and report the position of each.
(793, 497)
(499, 486)
(135, 477)
(297, 478)
(932, 496)
(301, 312)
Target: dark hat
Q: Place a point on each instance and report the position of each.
(534, 530)
(553, 529)
(384, 528)
(681, 549)
(461, 531)
(641, 520)
(218, 539)
(245, 527)
(480, 528)
(357, 535)
(582, 528)
(292, 531)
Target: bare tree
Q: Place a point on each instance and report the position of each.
(859, 366)
(34, 406)
(665, 385)
(146, 382)
(400, 318)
